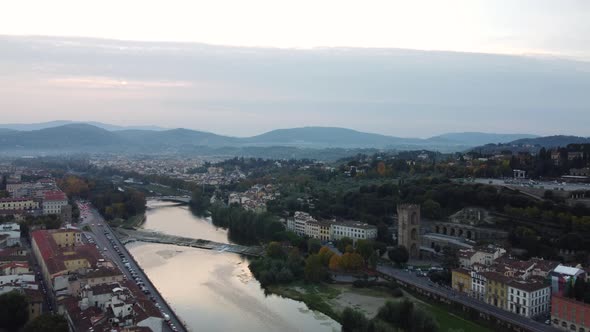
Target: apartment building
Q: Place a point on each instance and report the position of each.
(53, 201)
(528, 298)
(21, 203)
(354, 230)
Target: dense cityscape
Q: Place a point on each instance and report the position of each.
(295, 166)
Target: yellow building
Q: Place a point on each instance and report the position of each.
(461, 280)
(18, 204)
(497, 289)
(67, 237)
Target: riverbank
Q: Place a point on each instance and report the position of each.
(331, 300)
(133, 222)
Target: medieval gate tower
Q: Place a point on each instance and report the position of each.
(408, 228)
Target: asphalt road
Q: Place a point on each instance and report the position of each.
(425, 283)
(100, 229)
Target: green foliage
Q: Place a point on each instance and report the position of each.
(343, 243)
(248, 226)
(113, 203)
(407, 317)
(399, 255)
(365, 248)
(351, 262)
(200, 200)
(47, 323)
(313, 246)
(275, 251)
(314, 269)
(14, 310)
(354, 321)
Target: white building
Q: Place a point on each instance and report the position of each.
(9, 235)
(53, 201)
(354, 230)
(528, 298)
(480, 255)
(478, 285)
(298, 224)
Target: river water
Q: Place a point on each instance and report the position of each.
(215, 291)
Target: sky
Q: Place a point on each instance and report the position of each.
(300, 63)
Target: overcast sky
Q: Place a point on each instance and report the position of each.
(541, 88)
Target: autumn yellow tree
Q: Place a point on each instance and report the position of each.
(335, 263)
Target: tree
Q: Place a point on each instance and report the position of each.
(275, 251)
(351, 262)
(372, 262)
(450, 259)
(354, 321)
(313, 246)
(431, 209)
(314, 270)
(47, 323)
(335, 263)
(399, 255)
(15, 310)
(343, 243)
(365, 248)
(326, 254)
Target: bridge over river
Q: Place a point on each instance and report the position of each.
(127, 235)
(178, 199)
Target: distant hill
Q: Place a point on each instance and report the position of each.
(477, 138)
(325, 137)
(533, 144)
(58, 123)
(175, 137)
(66, 137)
(82, 137)
(552, 141)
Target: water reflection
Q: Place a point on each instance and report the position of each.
(214, 291)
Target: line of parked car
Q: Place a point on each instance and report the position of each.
(140, 282)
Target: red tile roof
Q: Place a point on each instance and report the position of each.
(54, 196)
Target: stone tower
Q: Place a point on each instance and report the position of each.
(408, 228)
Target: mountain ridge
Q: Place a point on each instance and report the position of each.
(87, 137)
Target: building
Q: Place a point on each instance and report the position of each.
(61, 252)
(354, 230)
(9, 235)
(569, 314)
(519, 174)
(479, 285)
(528, 298)
(304, 224)
(562, 275)
(484, 255)
(53, 201)
(496, 289)
(18, 204)
(408, 229)
(461, 280)
(66, 214)
(298, 224)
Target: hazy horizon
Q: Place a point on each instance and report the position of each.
(241, 91)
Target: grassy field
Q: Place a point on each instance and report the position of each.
(449, 322)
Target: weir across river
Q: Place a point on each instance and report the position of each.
(127, 235)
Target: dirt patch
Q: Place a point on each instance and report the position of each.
(361, 300)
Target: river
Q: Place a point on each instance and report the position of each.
(215, 291)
